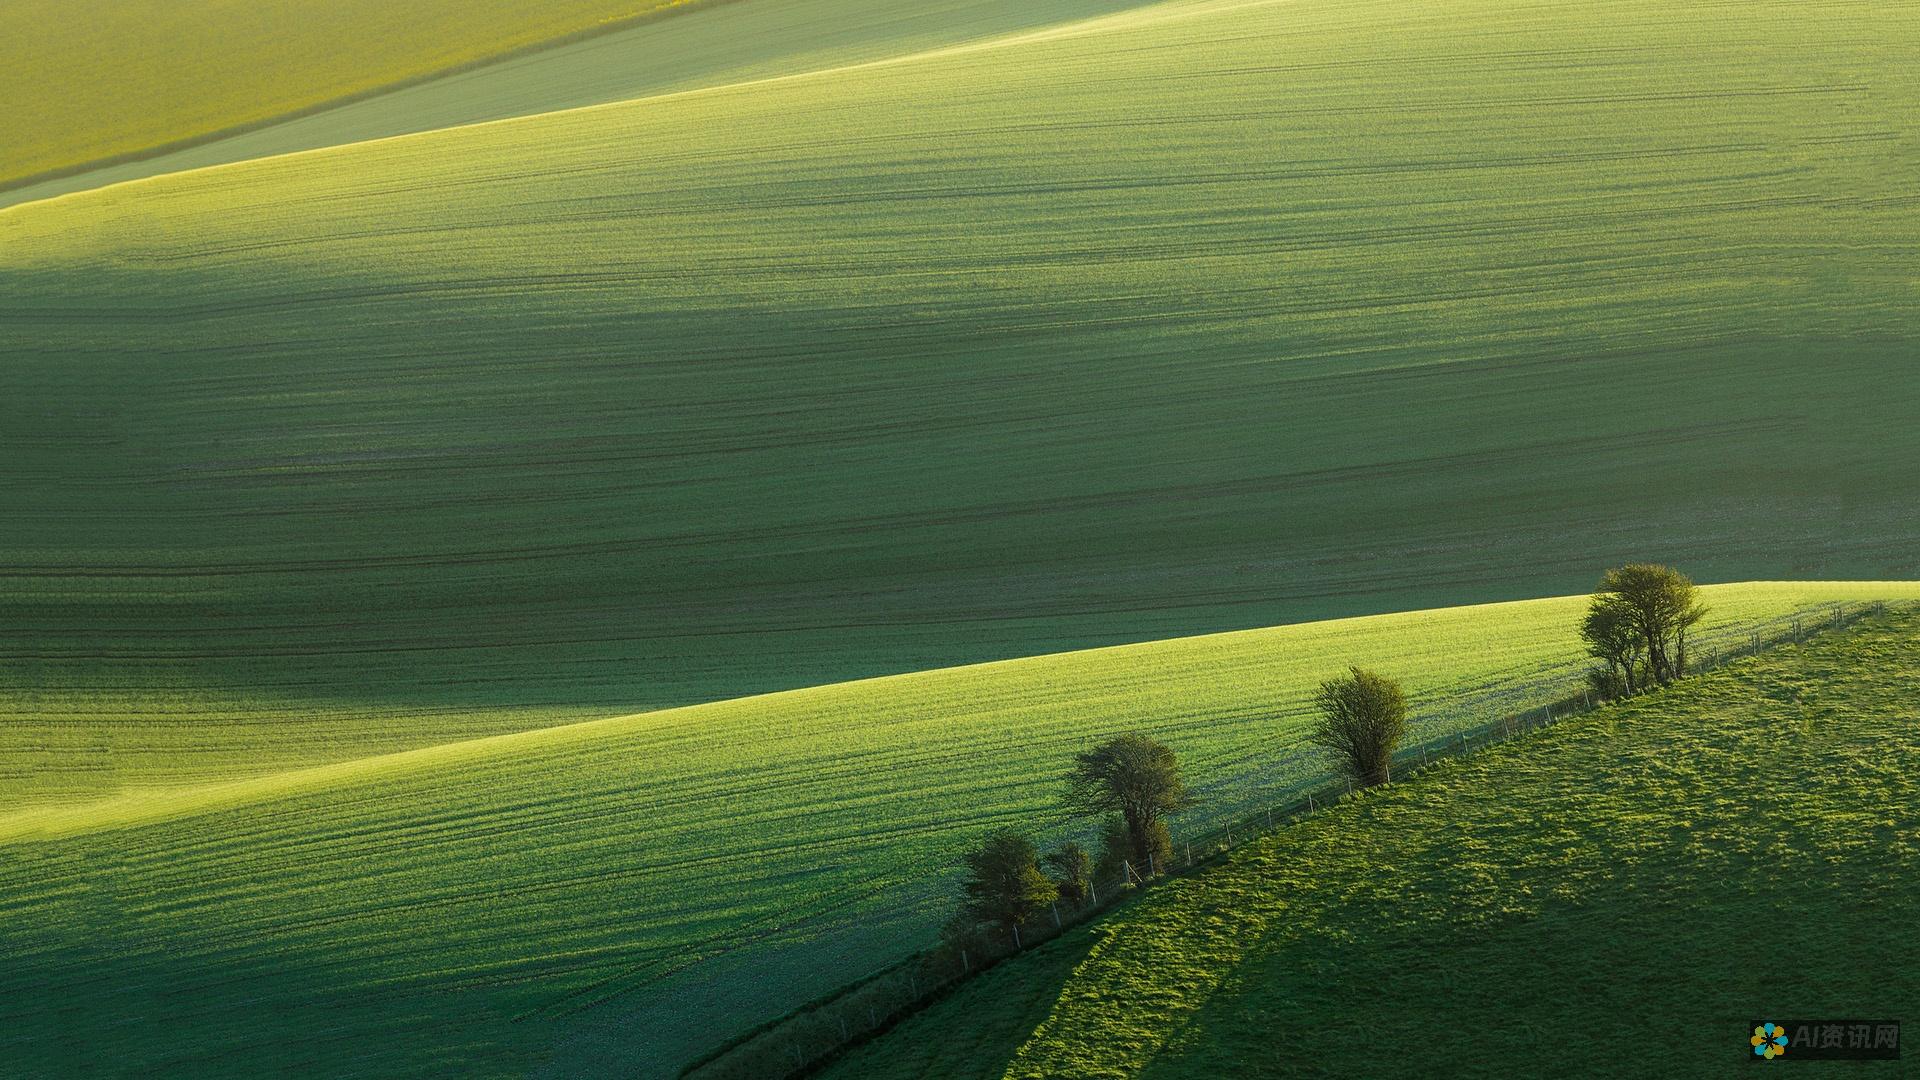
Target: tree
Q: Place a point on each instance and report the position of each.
(1610, 635)
(1004, 884)
(1072, 871)
(1658, 605)
(1362, 716)
(1138, 778)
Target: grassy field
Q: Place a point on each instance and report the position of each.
(1620, 895)
(1287, 311)
(707, 43)
(612, 898)
(96, 79)
(338, 484)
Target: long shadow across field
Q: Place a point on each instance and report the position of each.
(1673, 960)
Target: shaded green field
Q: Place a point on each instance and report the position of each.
(96, 79)
(616, 897)
(704, 44)
(1618, 895)
(1285, 311)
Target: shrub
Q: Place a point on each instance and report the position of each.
(1004, 884)
(1362, 718)
(1072, 871)
(1607, 683)
(1610, 636)
(1118, 851)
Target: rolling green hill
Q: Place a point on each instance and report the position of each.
(338, 484)
(1197, 316)
(97, 79)
(616, 897)
(1618, 895)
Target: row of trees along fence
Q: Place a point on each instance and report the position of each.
(806, 1039)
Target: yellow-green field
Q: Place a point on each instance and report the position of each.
(615, 897)
(87, 80)
(708, 43)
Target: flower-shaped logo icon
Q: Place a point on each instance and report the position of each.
(1769, 1041)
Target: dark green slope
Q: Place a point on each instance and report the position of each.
(1617, 896)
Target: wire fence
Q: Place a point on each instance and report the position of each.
(808, 1038)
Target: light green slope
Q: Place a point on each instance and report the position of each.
(704, 44)
(614, 897)
(1624, 894)
(85, 80)
(1197, 317)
